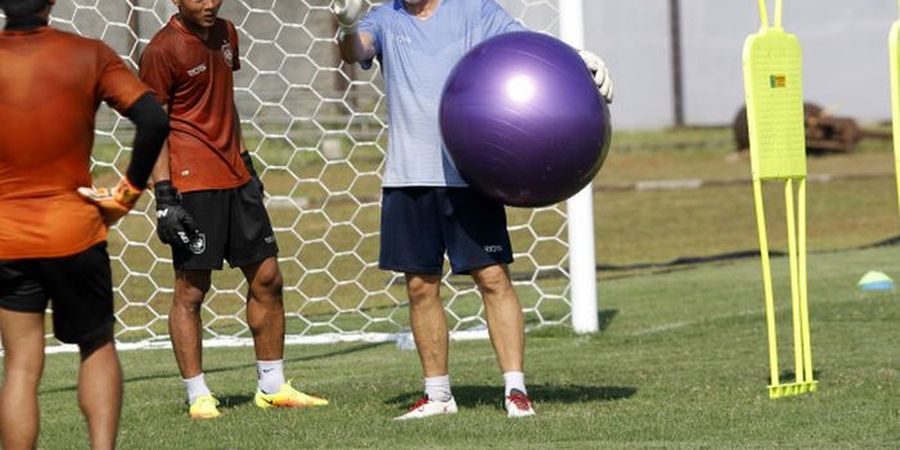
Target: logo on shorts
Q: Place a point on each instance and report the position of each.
(198, 244)
(228, 54)
(269, 239)
(493, 248)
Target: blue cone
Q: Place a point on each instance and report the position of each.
(876, 281)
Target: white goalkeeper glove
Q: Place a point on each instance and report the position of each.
(601, 74)
(347, 13)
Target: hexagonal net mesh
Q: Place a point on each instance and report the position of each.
(317, 128)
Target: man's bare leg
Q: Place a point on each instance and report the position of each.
(23, 343)
(506, 324)
(429, 323)
(265, 309)
(184, 320)
(100, 390)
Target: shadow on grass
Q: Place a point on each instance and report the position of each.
(604, 320)
(470, 396)
(174, 374)
(233, 401)
(789, 376)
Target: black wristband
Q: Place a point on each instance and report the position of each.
(166, 194)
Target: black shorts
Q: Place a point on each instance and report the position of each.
(234, 226)
(419, 224)
(79, 285)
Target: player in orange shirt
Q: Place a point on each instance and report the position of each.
(53, 240)
(210, 201)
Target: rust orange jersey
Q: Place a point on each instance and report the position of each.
(51, 84)
(195, 80)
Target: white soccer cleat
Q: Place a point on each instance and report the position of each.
(518, 404)
(426, 407)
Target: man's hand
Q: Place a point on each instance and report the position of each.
(174, 225)
(601, 74)
(347, 13)
(113, 203)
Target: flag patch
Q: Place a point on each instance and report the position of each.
(777, 81)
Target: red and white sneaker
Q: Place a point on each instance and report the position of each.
(426, 407)
(518, 404)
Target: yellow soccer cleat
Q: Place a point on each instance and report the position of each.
(287, 397)
(204, 407)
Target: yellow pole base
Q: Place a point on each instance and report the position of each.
(792, 389)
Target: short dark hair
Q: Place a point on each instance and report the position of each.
(22, 8)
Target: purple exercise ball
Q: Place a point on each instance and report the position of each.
(523, 120)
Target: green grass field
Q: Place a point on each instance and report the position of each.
(680, 362)
(855, 208)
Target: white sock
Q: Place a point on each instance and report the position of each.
(270, 375)
(514, 380)
(438, 388)
(196, 387)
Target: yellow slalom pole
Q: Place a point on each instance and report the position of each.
(795, 285)
(767, 282)
(764, 14)
(779, 7)
(804, 292)
(894, 46)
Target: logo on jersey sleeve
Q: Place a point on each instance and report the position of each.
(228, 54)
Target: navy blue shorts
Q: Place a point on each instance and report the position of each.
(420, 224)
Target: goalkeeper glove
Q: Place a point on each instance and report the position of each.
(113, 203)
(248, 163)
(347, 13)
(601, 74)
(174, 225)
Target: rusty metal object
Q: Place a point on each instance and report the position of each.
(824, 133)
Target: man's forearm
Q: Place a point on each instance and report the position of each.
(352, 48)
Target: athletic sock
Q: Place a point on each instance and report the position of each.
(196, 387)
(438, 388)
(270, 375)
(514, 380)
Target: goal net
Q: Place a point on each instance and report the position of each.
(318, 130)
